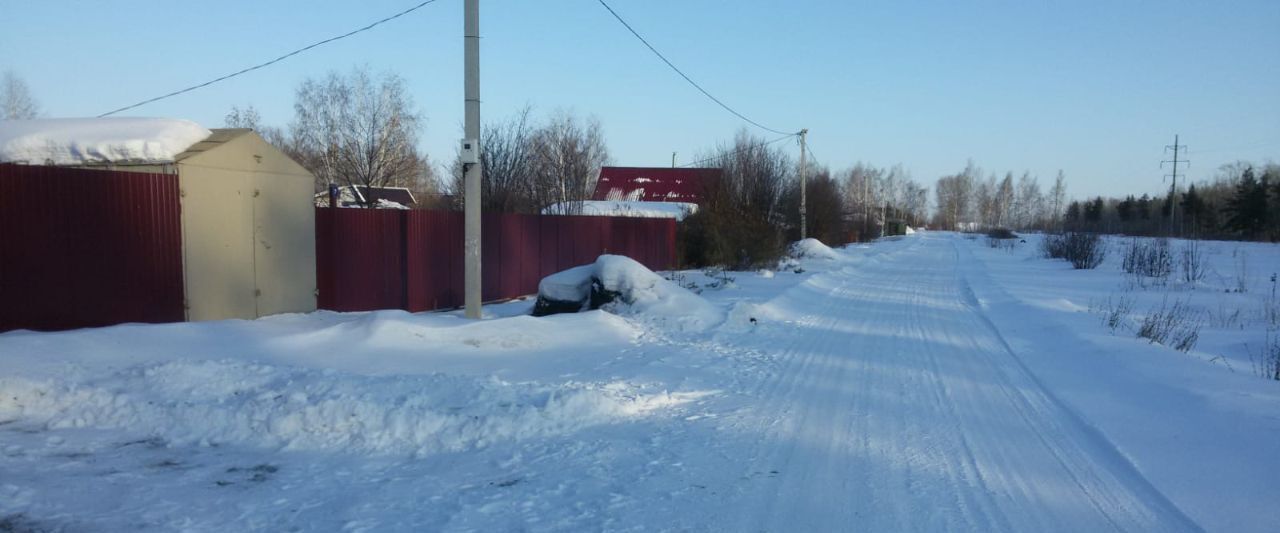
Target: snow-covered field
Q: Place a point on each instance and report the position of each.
(924, 383)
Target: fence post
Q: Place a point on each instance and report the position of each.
(405, 283)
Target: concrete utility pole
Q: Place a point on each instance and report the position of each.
(803, 193)
(471, 162)
(866, 209)
(884, 212)
(1173, 209)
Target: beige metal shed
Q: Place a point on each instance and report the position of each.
(248, 228)
(248, 224)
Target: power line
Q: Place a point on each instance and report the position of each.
(273, 61)
(686, 78)
(1253, 146)
(810, 150)
(738, 151)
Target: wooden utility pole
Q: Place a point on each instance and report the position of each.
(471, 158)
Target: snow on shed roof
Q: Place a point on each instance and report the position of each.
(655, 184)
(86, 141)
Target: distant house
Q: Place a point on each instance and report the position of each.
(656, 184)
(363, 196)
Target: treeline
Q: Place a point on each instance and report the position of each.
(754, 211)
(357, 128)
(968, 202)
(1241, 202)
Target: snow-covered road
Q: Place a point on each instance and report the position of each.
(901, 408)
(922, 384)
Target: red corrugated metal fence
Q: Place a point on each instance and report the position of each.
(392, 259)
(86, 248)
(83, 248)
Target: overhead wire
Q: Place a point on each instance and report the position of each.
(811, 156)
(273, 61)
(686, 77)
(738, 151)
(1241, 148)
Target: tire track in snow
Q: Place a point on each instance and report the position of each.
(899, 407)
(1038, 402)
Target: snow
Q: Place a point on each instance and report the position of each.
(653, 298)
(384, 203)
(641, 293)
(80, 141)
(621, 208)
(812, 248)
(926, 383)
(572, 285)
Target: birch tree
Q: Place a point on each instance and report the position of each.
(354, 129)
(16, 102)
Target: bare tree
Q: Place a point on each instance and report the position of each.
(506, 161)
(568, 155)
(248, 117)
(1004, 200)
(16, 102)
(1028, 203)
(755, 174)
(860, 192)
(355, 130)
(741, 223)
(915, 202)
(956, 197)
(1057, 200)
(824, 209)
(529, 168)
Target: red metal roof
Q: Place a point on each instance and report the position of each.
(655, 184)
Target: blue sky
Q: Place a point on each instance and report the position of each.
(1093, 88)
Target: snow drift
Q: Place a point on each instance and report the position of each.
(623, 286)
(215, 402)
(80, 141)
(812, 249)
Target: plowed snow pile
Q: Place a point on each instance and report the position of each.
(212, 403)
(812, 249)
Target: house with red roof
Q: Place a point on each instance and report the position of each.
(656, 184)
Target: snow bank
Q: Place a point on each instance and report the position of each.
(621, 285)
(812, 249)
(573, 285)
(78, 141)
(634, 209)
(648, 295)
(236, 402)
(380, 343)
